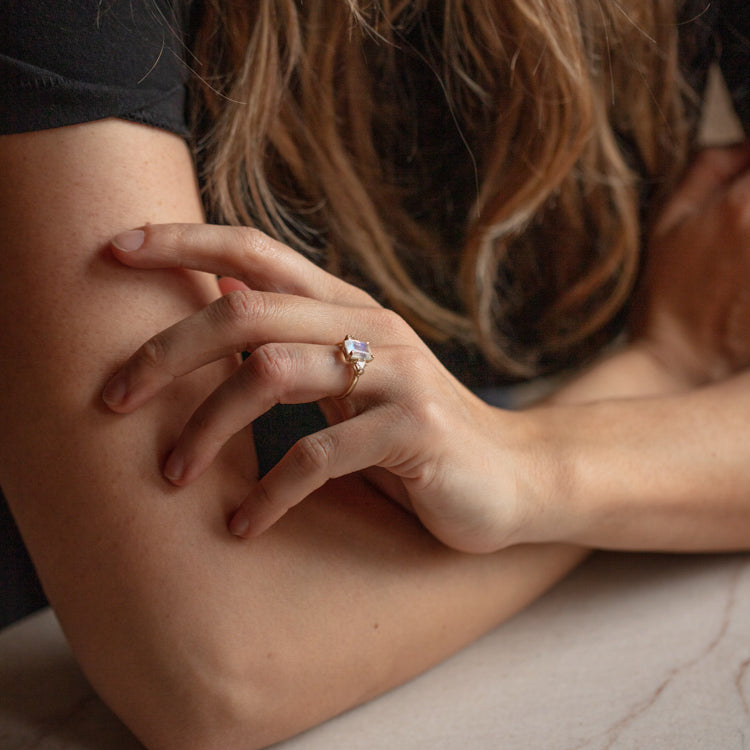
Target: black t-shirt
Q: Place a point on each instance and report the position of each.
(64, 62)
(68, 61)
(733, 44)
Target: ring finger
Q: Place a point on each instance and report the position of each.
(238, 321)
(274, 373)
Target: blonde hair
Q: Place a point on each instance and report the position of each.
(462, 157)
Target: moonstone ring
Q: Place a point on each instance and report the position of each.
(357, 354)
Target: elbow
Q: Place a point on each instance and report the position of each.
(215, 704)
(210, 711)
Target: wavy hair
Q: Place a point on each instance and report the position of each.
(479, 163)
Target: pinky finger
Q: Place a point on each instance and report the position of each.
(309, 464)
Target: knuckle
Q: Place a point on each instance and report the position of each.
(240, 307)
(154, 353)
(237, 305)
(365, 298)
(173, 236)
(421, 399)
(312, 454)
(358, 296)
(393, 325)
(428, 413)
(270, 363)
(412, 365)
(202, 423)
(252, 242)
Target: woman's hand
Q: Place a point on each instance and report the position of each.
(693, 313)
(462, 466)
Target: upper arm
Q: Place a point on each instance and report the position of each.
(72, 313)
(108, 535)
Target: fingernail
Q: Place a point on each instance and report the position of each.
(240, 523)
(114, 392)
(129, 241)
(174, 468)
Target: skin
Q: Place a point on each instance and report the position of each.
(197, 639)
(480, 478)
(407, 415)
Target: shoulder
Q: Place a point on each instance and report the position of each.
(64, 62)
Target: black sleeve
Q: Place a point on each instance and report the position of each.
(735, 55)
(20, 590)
(64, 62)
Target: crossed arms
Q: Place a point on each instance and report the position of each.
(196, 639)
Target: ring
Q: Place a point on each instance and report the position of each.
(357, 354)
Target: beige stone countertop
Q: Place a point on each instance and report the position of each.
(629, 652)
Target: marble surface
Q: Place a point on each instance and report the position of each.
(630, 651)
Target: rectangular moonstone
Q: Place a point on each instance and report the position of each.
(356, 351)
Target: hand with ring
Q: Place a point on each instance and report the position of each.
(393, 410)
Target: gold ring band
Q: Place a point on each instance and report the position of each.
(357, 354)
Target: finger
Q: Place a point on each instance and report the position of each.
(712, 171)
(273, 374)
(240, 252)
(334, 452)
(237, 322)
(197, 340)
(228, 284)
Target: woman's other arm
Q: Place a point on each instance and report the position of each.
(665, 466)
(195, 639)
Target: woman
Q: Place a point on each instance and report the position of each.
(198, 640)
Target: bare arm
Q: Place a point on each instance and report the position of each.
(196, 640)
(665, 466)
(668, 473)
(640, 459)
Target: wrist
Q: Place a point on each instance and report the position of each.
(542, 477)
(578, 482)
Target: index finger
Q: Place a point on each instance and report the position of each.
(244, 253)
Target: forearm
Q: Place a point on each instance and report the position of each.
(629, 455)
(668, 472)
